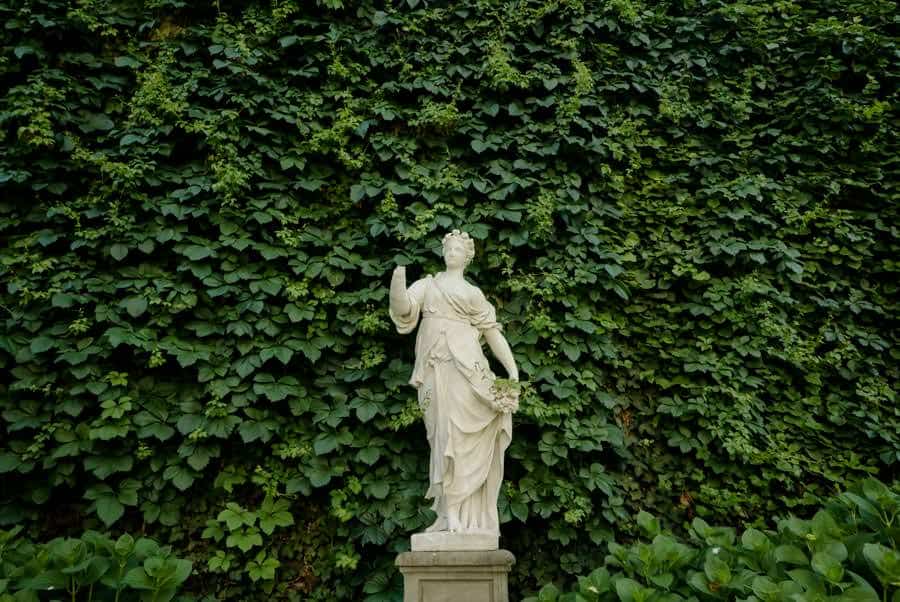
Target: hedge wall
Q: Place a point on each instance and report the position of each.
(686, 214)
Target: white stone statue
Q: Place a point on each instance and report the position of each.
(467, 411)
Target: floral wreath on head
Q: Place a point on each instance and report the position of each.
(468, 243)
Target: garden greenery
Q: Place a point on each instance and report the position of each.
(90, 568)
(685, 212)
(849, 551)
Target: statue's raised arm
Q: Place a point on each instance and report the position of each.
(399, 298)
(406, 304)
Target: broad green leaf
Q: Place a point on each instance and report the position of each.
(118, 251)
(716, 569)
(828, 566)
(548, 593)
(41, 344)
(648, 523)
(198, 252)
(884, 561)
(109, 509)
(790, 554)
(135, 305)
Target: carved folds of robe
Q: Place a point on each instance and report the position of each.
(467, 436)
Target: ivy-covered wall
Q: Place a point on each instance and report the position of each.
(686, 214)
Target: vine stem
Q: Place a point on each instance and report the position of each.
(119, 581)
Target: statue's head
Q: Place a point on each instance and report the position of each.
(459, 249)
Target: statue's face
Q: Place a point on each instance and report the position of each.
(455, 254)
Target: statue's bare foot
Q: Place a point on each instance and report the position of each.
(439, 525)
(453, 524)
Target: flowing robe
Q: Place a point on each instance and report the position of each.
(467, 436)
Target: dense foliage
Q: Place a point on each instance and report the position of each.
(686, 218)
(92, 568)
(849, 552)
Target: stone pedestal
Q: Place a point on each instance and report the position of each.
(460, 576)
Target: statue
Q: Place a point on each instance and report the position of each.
(467, 410)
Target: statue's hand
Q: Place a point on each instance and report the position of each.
(398, 281)
(399, 275)
(398, 298)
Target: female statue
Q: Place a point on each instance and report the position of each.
(467, 421)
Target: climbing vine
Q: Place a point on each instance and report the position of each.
(685, 213)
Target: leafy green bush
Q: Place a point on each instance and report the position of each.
(685, 213)
(848, 552)
(92, 568)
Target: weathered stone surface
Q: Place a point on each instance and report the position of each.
(466, 408)
(446, 541)
(461, 576)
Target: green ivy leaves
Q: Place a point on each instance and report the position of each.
(245, 529)
(683, 215)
